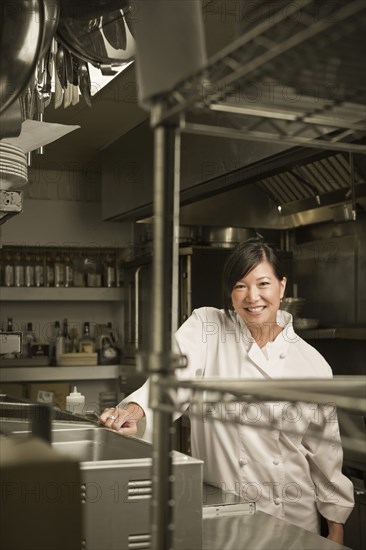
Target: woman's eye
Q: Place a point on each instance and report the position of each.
(239, 286)
(264, 283)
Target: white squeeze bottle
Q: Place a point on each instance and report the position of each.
(75, 402)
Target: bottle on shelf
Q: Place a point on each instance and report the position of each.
(107, 349)
(119, 270)
(86, 342)
(59, 271)
(28, 340)
(50, 271)
(109, 272)
(78, 265)
(8, 272)
(66, 337)
(92, 271)
(58, 348)
(74, 334)
(10, 328)
(38, 271)
(18, 270)
(69, 271)
(29, 271)
(75, 402)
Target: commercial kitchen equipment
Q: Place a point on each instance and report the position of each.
(114, 487)
(114, 490)
(274, 46)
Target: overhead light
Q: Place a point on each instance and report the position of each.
(99, 80)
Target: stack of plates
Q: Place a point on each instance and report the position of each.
(13, 166)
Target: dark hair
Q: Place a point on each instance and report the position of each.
(245, 257)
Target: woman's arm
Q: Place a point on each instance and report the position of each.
(335, 531)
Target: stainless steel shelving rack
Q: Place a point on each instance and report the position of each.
(286, 53)
(298, 76)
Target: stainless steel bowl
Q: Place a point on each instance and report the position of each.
(225, 236)
(293, 305)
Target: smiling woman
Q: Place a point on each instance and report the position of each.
(286, 457)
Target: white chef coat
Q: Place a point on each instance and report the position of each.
(286, 457)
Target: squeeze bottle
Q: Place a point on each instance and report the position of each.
(75, 402)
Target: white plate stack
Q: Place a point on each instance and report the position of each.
(13, 166)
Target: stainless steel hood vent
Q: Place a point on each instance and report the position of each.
(320, 183)
(291, 195)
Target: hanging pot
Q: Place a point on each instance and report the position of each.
(19, 55)
(99, 37)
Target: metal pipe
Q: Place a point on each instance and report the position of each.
(353, 188)
(165, 215)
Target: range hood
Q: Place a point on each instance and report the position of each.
(294, 194)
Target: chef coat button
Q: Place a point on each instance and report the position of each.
(242, 462)
(282, 355)
(277, 501)
(276, 462)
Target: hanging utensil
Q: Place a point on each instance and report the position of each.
(113, 26)
(67, 96)
(68, 66)
(59, 92)
(75, 70)
(84, 82)
(60, 66)
(74, 94)
(127, 14)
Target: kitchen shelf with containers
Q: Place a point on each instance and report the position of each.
(41, 284)
(49, 270)
(65, 346)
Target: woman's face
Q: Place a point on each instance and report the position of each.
(256, 297)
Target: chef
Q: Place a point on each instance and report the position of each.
(286, 457)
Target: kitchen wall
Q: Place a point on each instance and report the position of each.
(63, 208)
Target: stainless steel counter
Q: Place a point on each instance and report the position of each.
(259, 531)
(341, 333)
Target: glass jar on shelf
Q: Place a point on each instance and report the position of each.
(69, 271)
(59, 271)
(92, 271)
(78, 270)
(50, 271)
(28, 270)
(18, 270)
(109, 271)
(38, 271)
(8, 270)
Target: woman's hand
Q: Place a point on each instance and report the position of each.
(123, 420)
(335, 531)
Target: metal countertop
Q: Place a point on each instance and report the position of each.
(260, 531)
